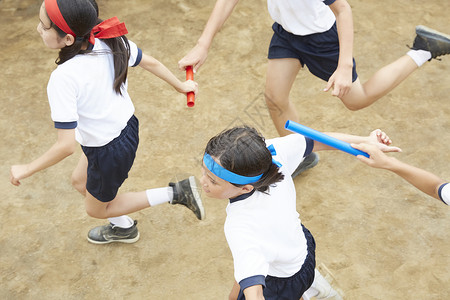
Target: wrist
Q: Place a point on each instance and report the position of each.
(204, 43)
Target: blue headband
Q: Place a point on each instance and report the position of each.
(229, 176)
(224, 174)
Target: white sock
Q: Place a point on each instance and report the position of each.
(159, 195)
(122, 221)
(419, 56)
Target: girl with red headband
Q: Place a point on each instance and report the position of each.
(90, 104)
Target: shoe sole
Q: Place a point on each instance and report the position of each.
(427, 32)
(125, 241)
(198, 200)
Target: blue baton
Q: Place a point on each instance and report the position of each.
(323, 138)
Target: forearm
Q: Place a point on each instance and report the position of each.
(222, 10)
(425, 181)
(55, 154)
(344, 23)
(154, 66)
(348, 138)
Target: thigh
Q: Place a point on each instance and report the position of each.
(94, 207)
(281, 74)
(79, 174)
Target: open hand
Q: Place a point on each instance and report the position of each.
(382, 141)
(377, 158)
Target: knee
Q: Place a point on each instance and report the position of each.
(94, 213)
(274, 102)
(353, 105)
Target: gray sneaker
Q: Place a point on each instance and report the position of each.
(310, 161)
(109, 234)
(431, 40)
(185, 192)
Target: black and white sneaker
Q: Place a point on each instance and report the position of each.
(185, 192)
(309, 162)
(431, 40)
(109, 234)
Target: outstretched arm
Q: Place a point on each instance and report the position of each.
(423, 180)
(64, 146)
(154, 66)
(197, 56)
(376, 137)
(341, 80)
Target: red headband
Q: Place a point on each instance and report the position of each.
(107, 29)
(53, 12)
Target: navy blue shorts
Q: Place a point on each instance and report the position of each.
(108, 165)
(318, 51)
(295, 286)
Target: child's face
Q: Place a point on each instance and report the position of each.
(216, 187)
(48, 34)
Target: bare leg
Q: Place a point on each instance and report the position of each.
(381, 83)
(121, 205)
(79, 175)
(281, 74)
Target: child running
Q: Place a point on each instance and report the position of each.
(90, 105)
(273, 253)
(318, 34)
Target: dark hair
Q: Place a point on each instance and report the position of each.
(242, 150)
(81, 16)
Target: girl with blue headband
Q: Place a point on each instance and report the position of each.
(273, 253)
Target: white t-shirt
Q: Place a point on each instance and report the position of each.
(302, 17)
(444, 193)
(81, 96)
(264, 231)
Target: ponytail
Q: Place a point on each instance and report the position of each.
(81, 16)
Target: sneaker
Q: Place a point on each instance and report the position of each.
(431, 40)
(109, 233)
(310, 161)
(185, 192)
(323, 284)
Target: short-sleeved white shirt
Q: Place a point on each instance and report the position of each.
(302, 17)
(444, 193)
(81, 96)
(264, 231)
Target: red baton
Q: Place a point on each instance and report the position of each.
(190, 95)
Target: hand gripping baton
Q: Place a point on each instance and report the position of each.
(323, 138)
(190, 95)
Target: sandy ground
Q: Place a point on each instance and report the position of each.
(380, 237)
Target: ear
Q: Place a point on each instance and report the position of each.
(247, 188)
(69, 40)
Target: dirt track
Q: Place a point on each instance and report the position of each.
(380, 237)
